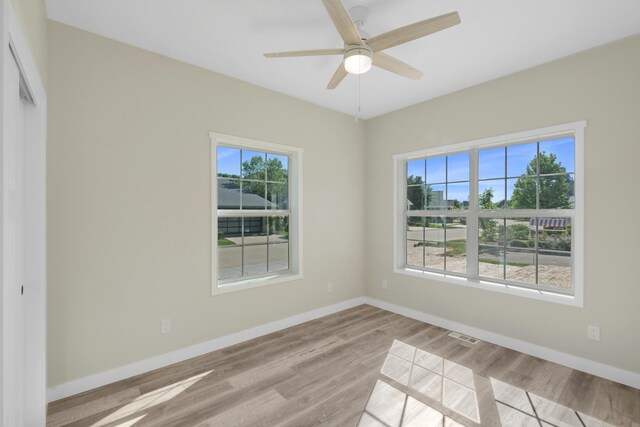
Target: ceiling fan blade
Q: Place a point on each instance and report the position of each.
(413, 31)
(338, 76)
(312, 52)
(342, 22)
(394, 65)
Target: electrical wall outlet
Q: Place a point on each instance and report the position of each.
(329, 287)
(593, 332)
(165, 326)
(385, 285)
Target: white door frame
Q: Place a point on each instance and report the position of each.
(14, 45)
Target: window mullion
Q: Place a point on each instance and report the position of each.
(472, 218)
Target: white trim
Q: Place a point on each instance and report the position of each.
(294, 272)
(577, 129)
(15, 46)
(103, 378)
(632, 379)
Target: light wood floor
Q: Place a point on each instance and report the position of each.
(363, 366)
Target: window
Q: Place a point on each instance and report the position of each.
(256, 227)
(503, 213)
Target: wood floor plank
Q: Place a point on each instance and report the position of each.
(323, 372)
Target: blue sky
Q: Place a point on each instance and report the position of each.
(229, 159)
(492, 171)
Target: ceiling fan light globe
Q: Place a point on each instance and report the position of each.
(357, 61)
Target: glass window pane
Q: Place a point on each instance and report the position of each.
(458, 196)
(253, 195)
(521, 193)
(277, 168)
(255, 259)
(278, 229)
(458, 167)
(415, 228)
(521, 159)
(228, 161)
(255, 230)
(436, 170)
(434, 242)
(228, 193)
(435, 196)
(521, 265)
(253, 165)
(491, 163)
(491, 194)
(456, 251)
(491, 247)
(556, 192)
(229, 231)
(277, 196)
(415, 253)
(279, 257)
(229, 262)
(554, 252)
(563, 151)
(415, 197)
(415, 172)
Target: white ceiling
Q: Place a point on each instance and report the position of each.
(496, 38)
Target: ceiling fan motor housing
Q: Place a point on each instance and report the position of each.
(357, 59)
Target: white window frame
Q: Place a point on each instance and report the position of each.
(295, 214)
(576, 214)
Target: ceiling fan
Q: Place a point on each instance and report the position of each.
(359, 52)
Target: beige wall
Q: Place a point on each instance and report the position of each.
(601, 86)
(33, 16)
(129, 213)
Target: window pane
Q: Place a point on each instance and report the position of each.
(228, 161)
(415, 228)
(229, 262)
(458, 196)
(521, 193)
(229, 231)
(563, 150)
(456, 252)
(521, 265)
(520, 252)
(278, 229)
(556, 192)
(435, 196)
(253, 165)
(415, 172)
(279, 257)
(436, 170)
(255, 230)
(491, 194)
(255, 259)
(228, 193)
(458, 167)
(554, 252)
(521, 159)
(277, 196)
(277, 168)
(415, 197)
(434, 243)
(491, 247)
(491, 163)
(253, 195)
(415, 253)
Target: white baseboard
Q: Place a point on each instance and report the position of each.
(612, 373)
(103, 378)
(80, 385)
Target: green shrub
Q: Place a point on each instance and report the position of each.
(519, 231)
(518, 244)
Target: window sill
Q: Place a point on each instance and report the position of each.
(254, 282)
(571, 300)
